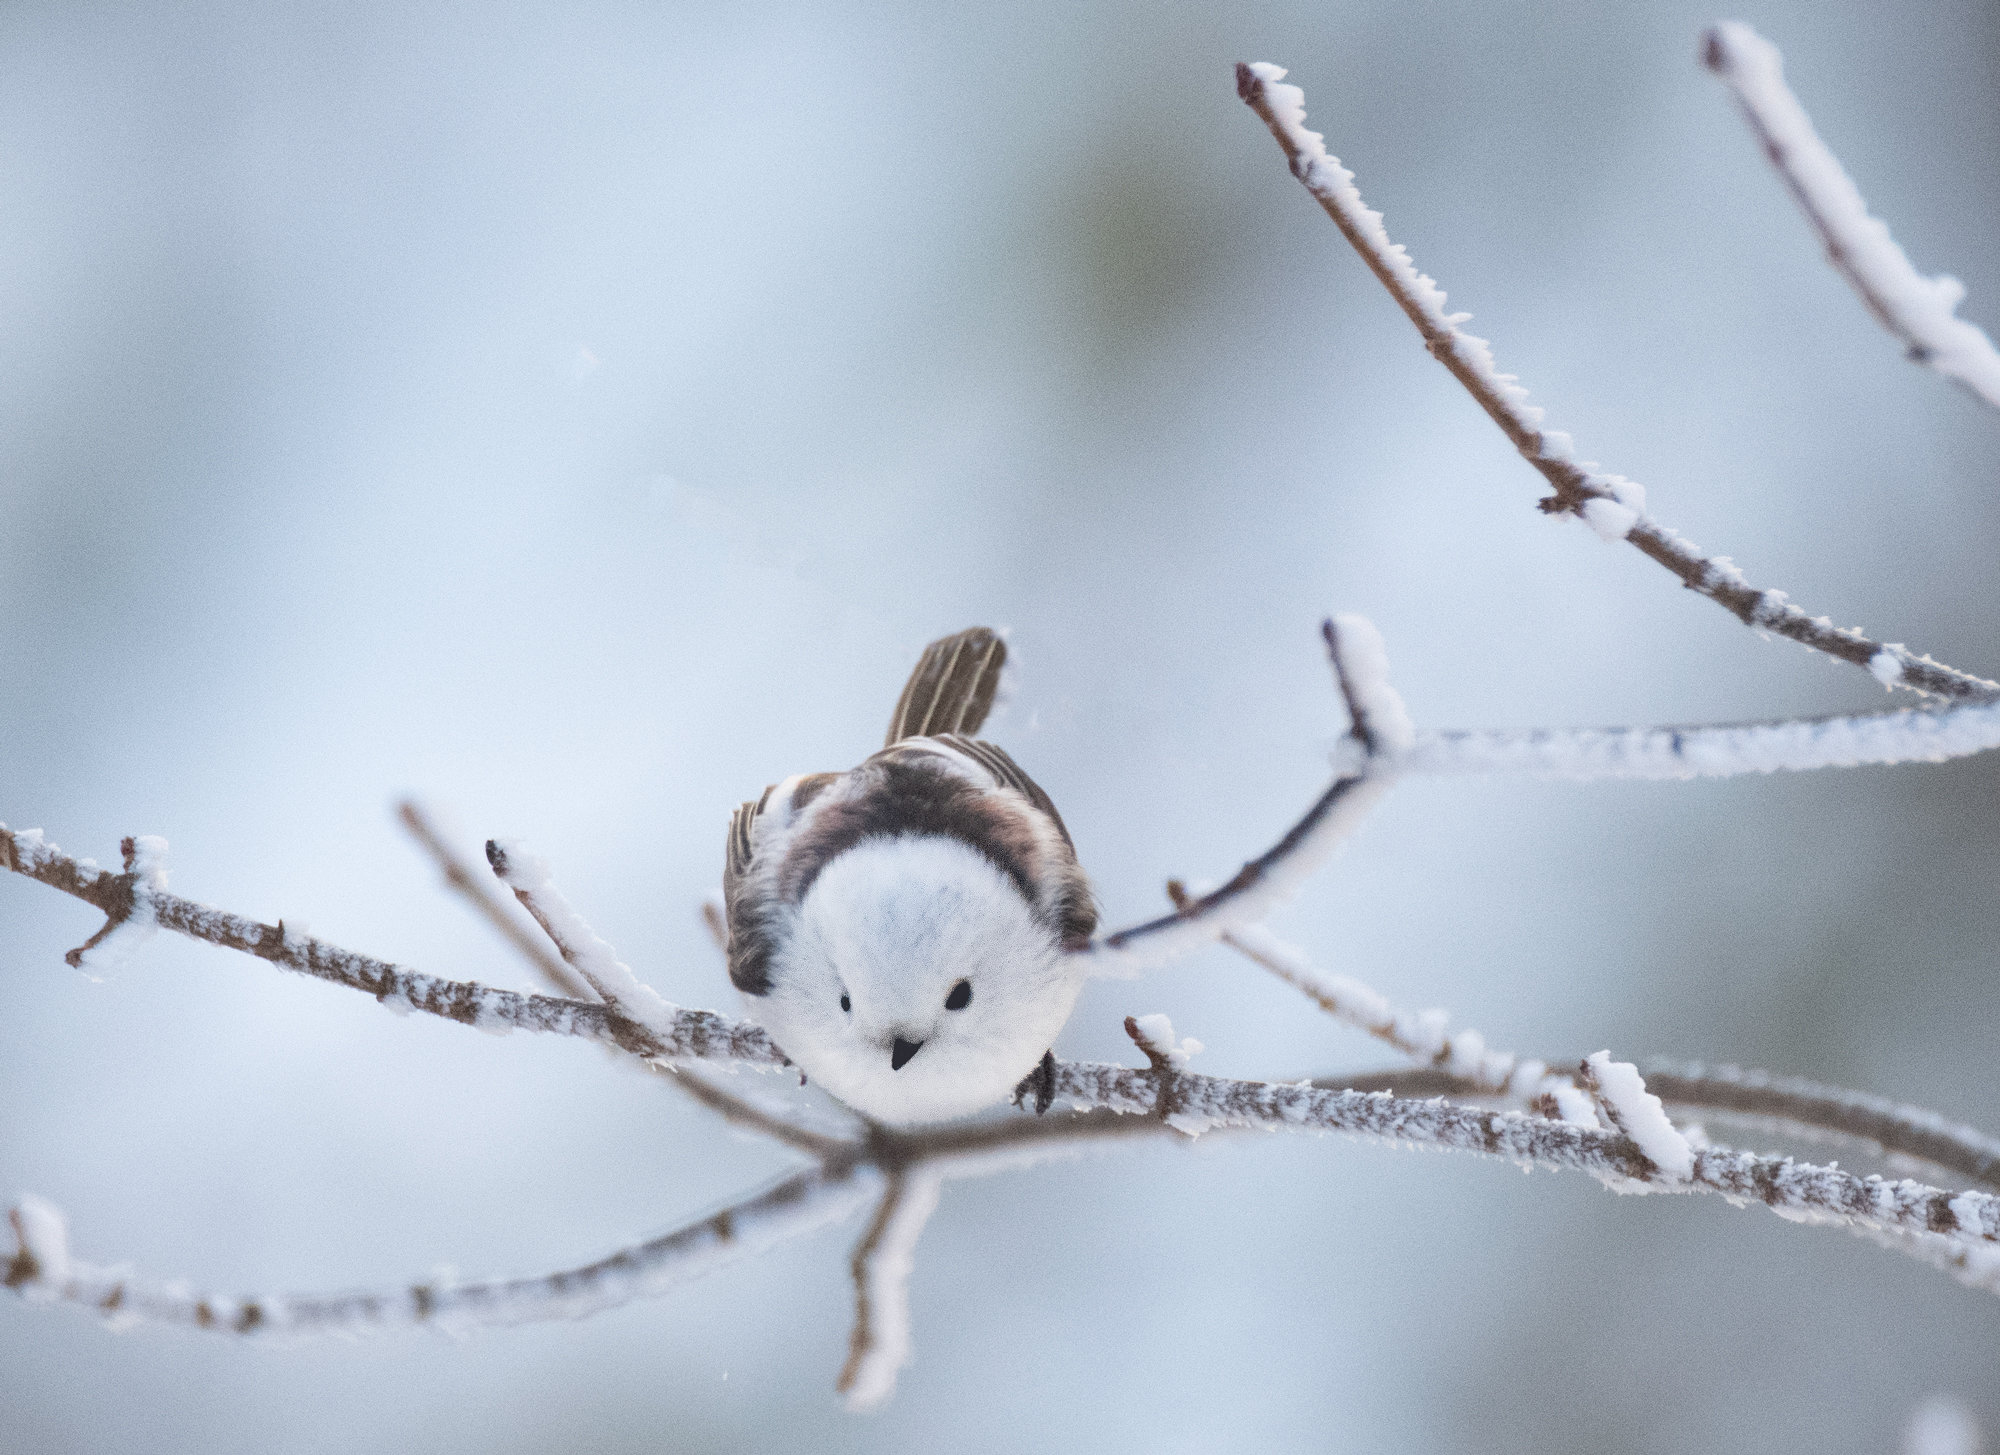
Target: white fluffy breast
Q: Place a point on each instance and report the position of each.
(894, 924)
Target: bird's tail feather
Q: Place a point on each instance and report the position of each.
(952, 689)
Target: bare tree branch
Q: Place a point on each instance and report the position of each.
(751, 1117)
(1465, 1066)
(42, 1270)
(883, 1261)
(1904, 1131)
(477, 888)
(1612, 505)
(1380, 728)
(1920, 311)
(1906, 735)
(688, 1035)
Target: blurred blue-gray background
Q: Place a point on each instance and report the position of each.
(580, 415)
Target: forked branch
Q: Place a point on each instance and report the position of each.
(1613, 506)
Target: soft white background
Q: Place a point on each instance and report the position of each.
(581, 414)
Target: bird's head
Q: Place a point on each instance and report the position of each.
(915, 981)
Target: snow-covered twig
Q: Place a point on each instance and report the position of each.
(883, 1260)
(1613, 506)
(1422, 1036)
(690, 1035)
(1906, 735)
(1921, 312)
(42, 1269)
(581, 949)
(129, 921)
(1380, 729)
(751, 1117)
(1636, 1113)
(1798, 1191)
(477, 889)
(1902, 1131)
(1467, 1067)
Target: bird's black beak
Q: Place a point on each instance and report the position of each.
(902, 1051)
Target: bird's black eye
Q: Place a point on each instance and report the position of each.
(960, 997)
(845, 1003)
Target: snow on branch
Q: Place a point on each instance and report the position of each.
(477, 889)
(1797, 1191)
(581, 949)
(129, 920)
(1610, 504)
(1906, 735)
(1380, 729)
(1920, 311)
(1631, 1109)
(1422, 1036)
(883, 1261)
(1890, 1127)
(689, 1035)
(43, 1270)
(1467, 1066)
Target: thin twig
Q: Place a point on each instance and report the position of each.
(883, 1260)
(581, 949)
(1904, 1131)
(1381, 729)
(477, 888)
(1422, 1037)
(1906, 735)
(1919, 311)
(42, 1270)
(1466, 1067)
(754, 1118)
(1796, 1189)
(689, 1035)
(1612, 505)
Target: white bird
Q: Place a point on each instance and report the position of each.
(905, 930)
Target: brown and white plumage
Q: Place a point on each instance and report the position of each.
(925, 900)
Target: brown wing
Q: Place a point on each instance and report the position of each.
(1007, 773)
(749, 948)
(952, 688)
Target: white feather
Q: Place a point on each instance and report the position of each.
(894, 924)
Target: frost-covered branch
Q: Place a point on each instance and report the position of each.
(883, 1261)
(1921, 312)
(687, 1035)
(1906, 735)
(1799, 1191)
(477, 888)
(1465, 1066)
(1898, 1130)
(1613, 506)
(42, 1270)
(1380, 730)
(1422, 1036)
(582, 951)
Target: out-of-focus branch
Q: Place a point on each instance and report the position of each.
(1903, 1131)
(1380, 730)
(1907, 735)
(1612, 505)
(1463, 1065)
(883, 1261)
(686, 1035)
(42, 1270)
(476, 886)
(1921, 312)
